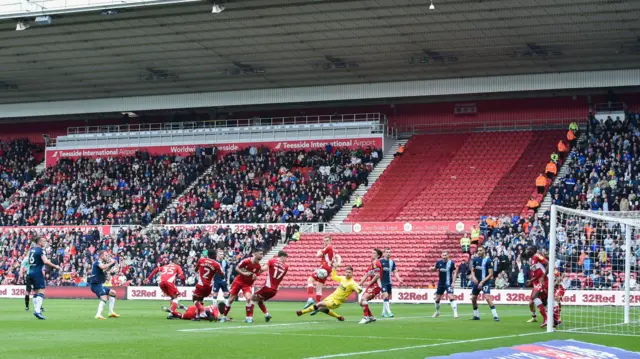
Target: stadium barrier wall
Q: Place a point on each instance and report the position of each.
(154, 293)
(19, 291)
(429, 226)
(512, 296)
(53, 155)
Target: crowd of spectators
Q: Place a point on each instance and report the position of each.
(138, 251)
(258, 185)
(17, 167)
(114, 190)
(604, 175)
(605, 170)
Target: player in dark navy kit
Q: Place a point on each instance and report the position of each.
(447, 274)
(388, 267)
(37, 260)
(220, 280)
(96, 281)
(481, 276)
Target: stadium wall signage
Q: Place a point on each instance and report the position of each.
(431, 226)
(514, 296)
(53, 155)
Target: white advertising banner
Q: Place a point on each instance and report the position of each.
(514, 296)
(12, 291)
(154, 293)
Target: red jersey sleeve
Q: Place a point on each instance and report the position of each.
(154, 272)
(180, 272)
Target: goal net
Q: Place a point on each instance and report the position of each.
(594, 256)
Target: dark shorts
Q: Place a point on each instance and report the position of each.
(99, 290)
(386, 288)
(444, 288)
(475, 290)
(37, 281)
(217, 285)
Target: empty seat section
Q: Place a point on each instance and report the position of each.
(415, 254)
(406, 176)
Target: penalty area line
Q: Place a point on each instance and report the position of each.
(346, 336)
(422, 346)
(223, 327)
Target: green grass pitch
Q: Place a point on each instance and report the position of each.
(144, 332)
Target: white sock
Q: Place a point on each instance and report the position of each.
(494, 312)
(226, 301)
(476, 313)
(112, 303)
(533, 314)
(386, 307)
(37, 302)
(100, 308)
(454, 306)
(437, 307)
(177, 301)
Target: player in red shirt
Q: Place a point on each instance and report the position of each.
(539, 269)
(248, 271)
(276, 270)
(192, 312)
(374, 286)
(558, 293)
(314, 283)
(207, 269)
(168, 273)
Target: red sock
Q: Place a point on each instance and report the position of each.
(263, 307)
(226, 310)
(556, 313)
(543, 312)
(174, 306)
(365, 310)
(199, 308)
(318, 298)
(249, 310)
(310, 292)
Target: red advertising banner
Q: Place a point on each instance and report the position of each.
(433, 226)
(106, 230)
(52, 155)
(19, 291)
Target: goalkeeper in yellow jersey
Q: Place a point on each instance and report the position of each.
(339, 296)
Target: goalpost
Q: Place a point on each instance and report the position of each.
(602, 295)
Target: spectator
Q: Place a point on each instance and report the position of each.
(465, 243)
(464, 271)
(551, 170)
(357, 203)
(541, 183)
(533, 203)
(501, 281)
(587, 266)
(521, 279)
(400, 152)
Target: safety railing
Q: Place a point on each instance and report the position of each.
(495, 126)
(198, 125)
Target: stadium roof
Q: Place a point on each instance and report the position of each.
(261, 44)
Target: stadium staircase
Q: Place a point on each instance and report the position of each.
(362, 190)
(176, 201)
(418, 252)
(545, 205)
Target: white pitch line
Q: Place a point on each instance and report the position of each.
(223, 327)
(345, 336)
(422, 346)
